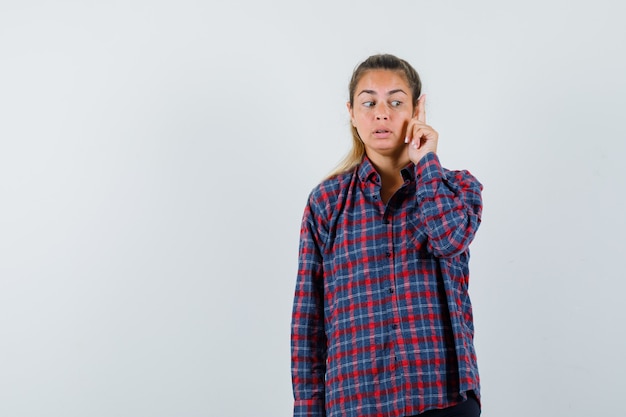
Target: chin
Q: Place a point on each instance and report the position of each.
(394, 151)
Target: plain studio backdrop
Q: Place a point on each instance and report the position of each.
(156, 157)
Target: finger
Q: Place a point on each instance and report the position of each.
(421, 109)
(418, 135)
(422, 133)
(409, 131)
(415, 129)
(418, 143)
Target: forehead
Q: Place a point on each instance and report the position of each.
(381, 81)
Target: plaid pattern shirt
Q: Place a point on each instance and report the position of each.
(382, 321)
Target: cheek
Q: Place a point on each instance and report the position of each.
(357, 120)
(358, 129)
(358, 126)
(405, 124)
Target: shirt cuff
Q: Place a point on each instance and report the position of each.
(428, 172)
(309, 408)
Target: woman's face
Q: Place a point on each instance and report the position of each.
(383, 106)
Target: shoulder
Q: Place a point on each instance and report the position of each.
(329, 191)
(325, 204)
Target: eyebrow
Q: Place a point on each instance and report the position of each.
(390, 93)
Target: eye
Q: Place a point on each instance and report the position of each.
(368, 104)
(396, 103)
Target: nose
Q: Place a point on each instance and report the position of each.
(382, 113)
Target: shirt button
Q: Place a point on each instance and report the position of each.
(388, 254)
(394, 326)
(391, 290)
(386, 221)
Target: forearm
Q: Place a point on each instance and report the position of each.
(308, 337)
(308, 354)
(450, 207)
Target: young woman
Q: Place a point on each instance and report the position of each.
(382, 320)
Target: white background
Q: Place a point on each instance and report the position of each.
(156, 156)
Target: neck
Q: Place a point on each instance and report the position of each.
(388, 166)
(390, 175)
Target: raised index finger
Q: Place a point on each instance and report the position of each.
(421, 109)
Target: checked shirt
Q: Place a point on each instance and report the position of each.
(382, 321)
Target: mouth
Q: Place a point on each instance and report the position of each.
(382, 133)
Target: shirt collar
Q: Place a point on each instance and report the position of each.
(367, 172)
(408, 173)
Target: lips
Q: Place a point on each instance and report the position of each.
(382, 133)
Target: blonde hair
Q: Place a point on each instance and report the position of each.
(374, 62)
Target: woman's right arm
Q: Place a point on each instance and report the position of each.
(308, 338)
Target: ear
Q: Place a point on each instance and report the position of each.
(351, 112)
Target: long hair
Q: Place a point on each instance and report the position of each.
(375, 62)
